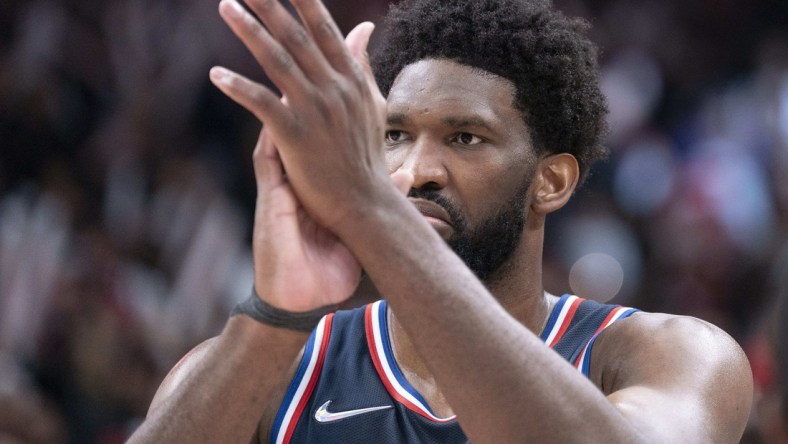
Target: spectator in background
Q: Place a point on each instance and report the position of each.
(27, 416)
(768, 353)
(782, 350)
(107, 208)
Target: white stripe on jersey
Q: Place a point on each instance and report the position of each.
(619, 312)
(376, 329)
(303, 383)
(561, 317)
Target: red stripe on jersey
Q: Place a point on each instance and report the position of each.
(373, 351)
(312, 380)
(371, 340)
(608, 320)
(567, 320)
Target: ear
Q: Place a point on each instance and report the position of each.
(555, 181)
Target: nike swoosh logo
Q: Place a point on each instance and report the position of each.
(322, 414)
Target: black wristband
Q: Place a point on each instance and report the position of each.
(265, 313)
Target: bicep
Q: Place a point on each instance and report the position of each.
(179, 373)
(191, 362)
(682, 380)
(662, 416)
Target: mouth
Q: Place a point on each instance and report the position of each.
(436, 216)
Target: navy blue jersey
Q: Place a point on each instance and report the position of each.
(348, 387)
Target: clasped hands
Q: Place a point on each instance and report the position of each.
(325, 132)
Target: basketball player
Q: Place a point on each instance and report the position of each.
(440, 193)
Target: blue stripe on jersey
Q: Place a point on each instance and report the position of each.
(294, 383)
(384, 337)
(349, 378)
(553, 317)
(587, 359)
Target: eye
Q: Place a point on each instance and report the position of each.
(467, 139)
(394, 136)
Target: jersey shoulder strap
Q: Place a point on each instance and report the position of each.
(575, 323)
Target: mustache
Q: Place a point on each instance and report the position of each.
(457, 220)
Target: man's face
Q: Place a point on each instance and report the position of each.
(457, 130)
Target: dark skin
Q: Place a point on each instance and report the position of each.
(654, 378)
(457, 131)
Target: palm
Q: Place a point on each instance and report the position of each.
(299, 265)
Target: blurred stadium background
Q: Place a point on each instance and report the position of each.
(126, 192)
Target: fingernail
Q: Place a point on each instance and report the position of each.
(218, 74)
(233, 8)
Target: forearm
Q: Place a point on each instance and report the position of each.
(221, 397)
(500, 379)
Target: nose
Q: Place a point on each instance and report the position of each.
(424, 160)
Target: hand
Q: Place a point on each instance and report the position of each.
(298, 265)
(330, 130)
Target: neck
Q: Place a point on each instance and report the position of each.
(517, 286)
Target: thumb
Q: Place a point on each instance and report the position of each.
(268, 169)
(358, 40)
(403, 180)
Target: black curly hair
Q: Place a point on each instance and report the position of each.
(544, 53)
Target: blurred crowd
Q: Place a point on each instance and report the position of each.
(127, 193)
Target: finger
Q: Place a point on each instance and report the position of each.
(275, 60)
(325, 32)
(256, 98)
(403, 180)
(292, 36)
(357, 42)
(267, 165)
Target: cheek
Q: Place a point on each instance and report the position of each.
(492, 189)
(394, 159)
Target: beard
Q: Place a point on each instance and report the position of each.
(487, 247)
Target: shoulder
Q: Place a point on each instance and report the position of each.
(662, 339)
(683, 363)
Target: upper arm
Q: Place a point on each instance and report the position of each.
(676, 379)
(191, 361)
(188, 363)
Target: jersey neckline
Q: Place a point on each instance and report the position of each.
(379, 342)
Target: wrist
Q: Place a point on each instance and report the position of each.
(265, 313)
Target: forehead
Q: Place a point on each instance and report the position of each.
(442, 86)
